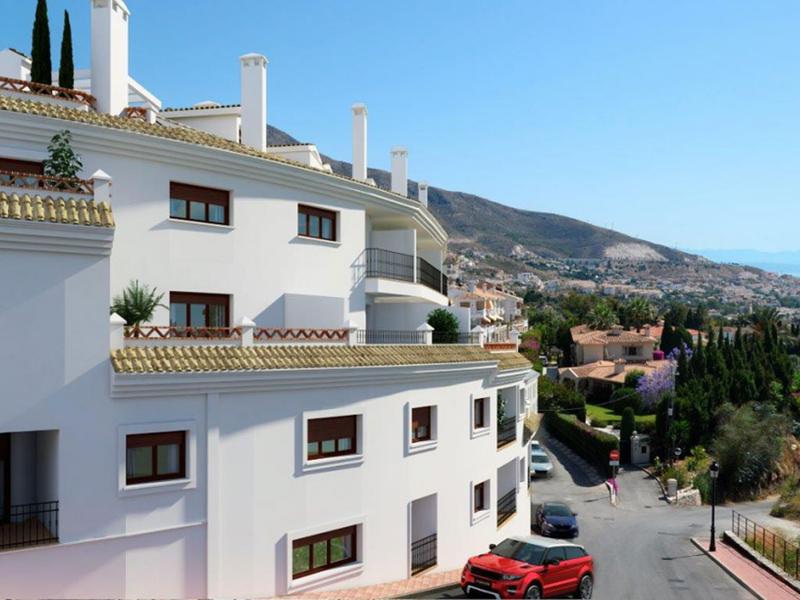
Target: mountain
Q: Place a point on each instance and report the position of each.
(778, 262)
(486, 226)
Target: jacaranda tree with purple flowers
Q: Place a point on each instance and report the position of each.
(654, 385)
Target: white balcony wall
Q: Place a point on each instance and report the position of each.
(225, 124)
(403, 241)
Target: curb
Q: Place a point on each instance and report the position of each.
(661, 485)
(762, 561)
(733, 575)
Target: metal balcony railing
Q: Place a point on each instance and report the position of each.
(460, 337)
(506, 507)
(29, 525)
(389, 336)
(423, 554)
(401, 267)
(506, 431)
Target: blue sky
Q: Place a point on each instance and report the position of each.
(678, 121)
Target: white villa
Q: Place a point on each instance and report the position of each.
(287, 422)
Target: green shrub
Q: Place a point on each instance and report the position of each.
(702, 482)
(647, 426)
(677, 472)
(593, 445)
(632, 378)
(599, 422)
(559, 397)
(626, 397)
(697, 459)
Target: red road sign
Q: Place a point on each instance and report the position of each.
(613, 455)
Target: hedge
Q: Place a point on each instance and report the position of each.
(593, 445)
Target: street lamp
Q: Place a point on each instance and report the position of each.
(713, 470)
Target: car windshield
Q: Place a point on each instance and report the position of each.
(539, 458)
(557, 510)
(522, 551)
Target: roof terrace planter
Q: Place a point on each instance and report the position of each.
(22, 86)
(46, 183)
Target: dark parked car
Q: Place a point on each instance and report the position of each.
(556, 519)
(530, 567)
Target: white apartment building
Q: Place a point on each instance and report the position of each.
(287, 422)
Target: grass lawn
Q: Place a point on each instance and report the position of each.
(605, 414)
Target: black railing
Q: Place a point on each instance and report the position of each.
(29, 525)
(506, 507)
(389, 336)
(431, 277)
(398, 266)
(423, 554)
(783, 553)
(459, 337)
(389, 265)
(506, 431)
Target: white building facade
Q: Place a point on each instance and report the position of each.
(286, 422)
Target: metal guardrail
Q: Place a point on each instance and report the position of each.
(400, 267)
(389, 336)
(783, 553)
(459, 337)
(506, 431)
(506, 507)
(423, 554)
(30, 525)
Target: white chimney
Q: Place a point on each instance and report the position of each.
(110, 55)
(360, 142)
(254, 100)
(400, 170)
(422, 194)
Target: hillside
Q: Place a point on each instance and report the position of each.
(486, 226)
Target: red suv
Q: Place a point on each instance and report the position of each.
(530, 567)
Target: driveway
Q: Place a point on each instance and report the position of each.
(641, 548)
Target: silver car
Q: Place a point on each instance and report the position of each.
(540, 462)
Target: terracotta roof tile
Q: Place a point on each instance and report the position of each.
(185, 359)
(72, 211)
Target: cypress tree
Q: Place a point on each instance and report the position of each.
(41, 68)
(66, 68)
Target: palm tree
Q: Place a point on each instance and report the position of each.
(639, 312)
(137, 303)
(602, 316)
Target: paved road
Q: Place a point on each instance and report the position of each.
(641, 548)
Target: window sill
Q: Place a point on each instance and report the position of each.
(480, 432)
(479, 516)
(310, 581)
(190, 223)
(322, 464)
(304, 239)
(156, 487)
(423, 446)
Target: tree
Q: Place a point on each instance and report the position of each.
(66, 68)
(639, 312)
(626, 429)
(602, 316)
(41, 67)
(444, 323)
(137, 303)
(63, 160)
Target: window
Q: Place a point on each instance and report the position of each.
(21, 166)
(572, 552)
(556, 553)
(464, 304)
(479, 497)
(323, 551)
(155, 457)
(631, 351)
(316, 223)
(198, 310)
(480, 413)
(195, 203)
(335, 436)
(421, 424)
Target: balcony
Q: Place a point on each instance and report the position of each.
(506, 506)
(506, 431)
(244, 335)
(405, 268)
(29, 525)
(51, 94)
(423, 554)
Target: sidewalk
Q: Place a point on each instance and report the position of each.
(394, 589)
(759, 581)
